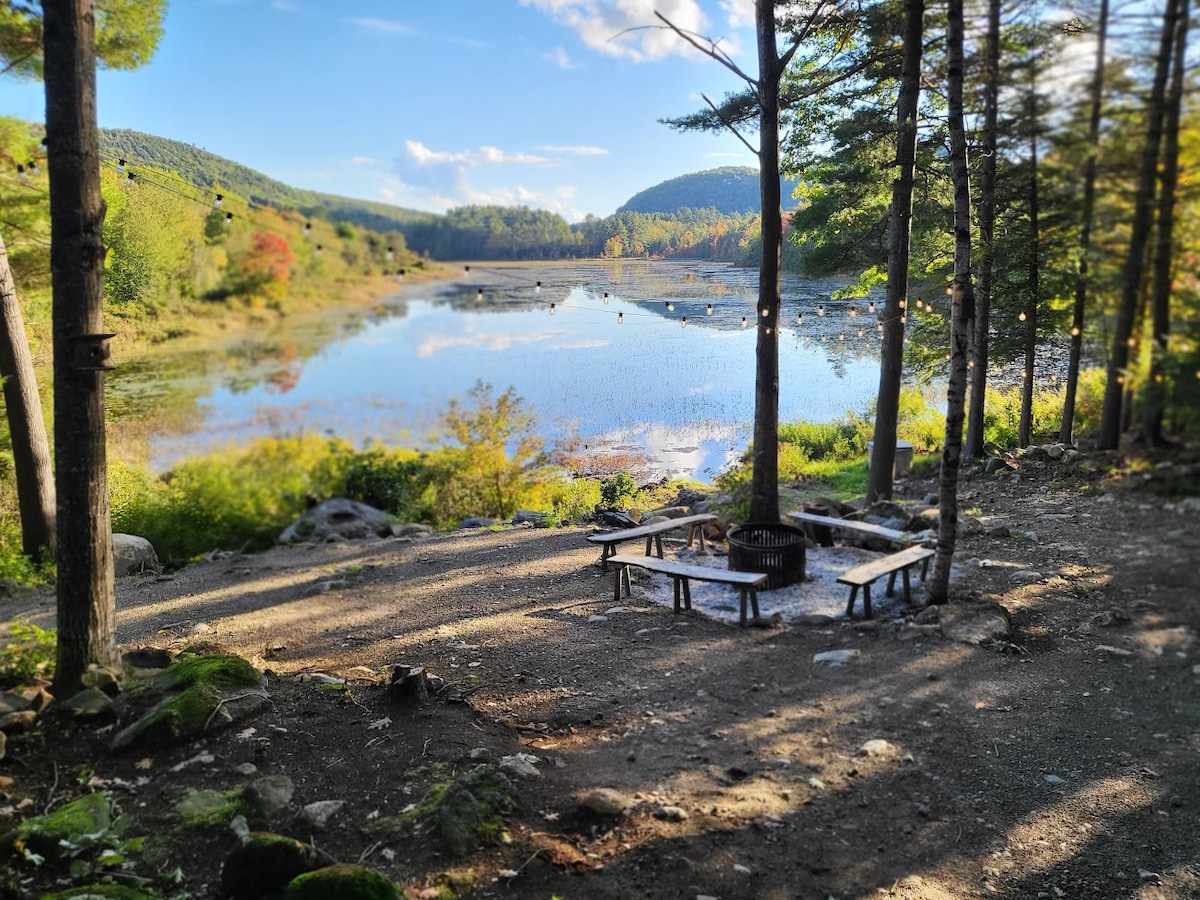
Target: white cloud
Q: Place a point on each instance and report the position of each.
(363, 161)
(574, 150)
(560, 58)
(382, 26)
(630, 28)
(485, 155)
(739, 13)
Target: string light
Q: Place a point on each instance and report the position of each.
(1133, 342)
(120, 165)
(21, 174)
(860, 332)
(764, 312)
(744, 322)
(879, 326)
(708, 310)
(670, 306)
(821, 310)
(903, 302)
(308, 230)
(34, 168)
(317, 251)
(537, 288)
(606, 298)
(683, 322)
(217, 202)
(389, 254)
(620, 318)
(228, 219)
(128, 177)
(479, 294)
(871, 307)
(552, 308)
(466, 269)
(841, 335)
(1075, 331)
(1021, 317)
(903, 319)
(853, 311)
(800, 318)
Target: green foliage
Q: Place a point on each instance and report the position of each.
(28, 656)
(1002, 416)
(568, 501)
(730, 190)
(395, 481)
(617, 490)
(238, 499)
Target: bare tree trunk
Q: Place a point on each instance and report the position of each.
(1152, 411)
(891, 362)
(963, 312)
(1139, 237)
(1025, 427)
(764, 481)
(987, 234)
(27, 428)
(86, 614)
(1066, 433)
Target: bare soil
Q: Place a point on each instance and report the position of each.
(1059, 762)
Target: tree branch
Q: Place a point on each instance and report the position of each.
(729, 125)
(712, 51)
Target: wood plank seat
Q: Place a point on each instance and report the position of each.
(864, 528)
(747, 583)
(864, 575)
(653, 534)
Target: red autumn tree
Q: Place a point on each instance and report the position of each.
(265, 266)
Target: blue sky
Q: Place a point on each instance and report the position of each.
(438, 103)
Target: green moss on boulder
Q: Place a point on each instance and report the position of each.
(100, 892)
(85, 815)
(343, 881)
(265, 864)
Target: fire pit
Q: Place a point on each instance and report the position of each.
(772, 548)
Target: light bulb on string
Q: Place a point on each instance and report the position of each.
(799, 318)
(217, 202)
(821, 310)
(903, 319)
(1133, 342)
(744, 322)
(308, 229)
(128, 177)
(21, 174)
(467, 269)
(479, 295)
(841, 335)
(400, 276)
(552, 308)
(1075, 332)
(120, 165)
(620, 318)
(228, 219)
(670, 306)
(683, 322)
(1021, 316)
(34, 168)
(537, 288)
(879, 326)
(708, 310)
(871, 307)
(860, 332)
(903, 302)
(764, 312)
(317, 251)
(606, 298)
(853, 311)
(389, 254)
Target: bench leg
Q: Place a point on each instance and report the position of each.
(687, 594)
(621, 575)
(607, 551)
(907, 586)
(924, 568)
(891, 588)
(658, 545)
(752, 593)
(866, 601)
(850, 605)
(675, 585)
(649, 544)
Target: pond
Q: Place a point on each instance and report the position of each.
(651, 358)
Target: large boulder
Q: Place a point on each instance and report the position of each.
(133, 555)
(339, 518)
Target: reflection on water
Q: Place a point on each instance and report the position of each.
(601, 352)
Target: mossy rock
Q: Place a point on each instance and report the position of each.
(202, 693)
(100, 892)
(468, 812)
(265, 864)
(211, 807)
(343, 881)
(86, 815)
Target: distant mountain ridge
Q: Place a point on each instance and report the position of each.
(204, 170)
(731, 190)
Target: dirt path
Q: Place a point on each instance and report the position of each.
(1060, 762)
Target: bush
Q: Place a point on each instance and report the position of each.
(615, 492)
(29, 655)
(395, 481)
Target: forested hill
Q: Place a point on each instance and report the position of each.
(730, 190)
(207, 170)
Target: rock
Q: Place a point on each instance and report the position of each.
(147, 658)
(886, 509)
(45, 835)
(1000, 531)
(206, 807)
(1055, 780)
(270, 794)
(18, 722)
(338, 517)
(1055, 451)
(477, 522)
(480, 754)
(975, 623)
(412, 530)
(246, 769)
(103, 678)
(666, 512)
(1109, 650)
(813, 620)
(605, 801)
(191, 697)
(529, 516)
(670, 814)
(879, 749)
(264, 864)
(472, 807)
(318, 813)
(133, 555)
(835, 658)
(89, 703)
(343, 881)
(996, 464)
(1026, 576)
(930, 615)
(521, 765)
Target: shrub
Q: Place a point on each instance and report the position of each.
(395, 481)
(29, 655)
(617, 490)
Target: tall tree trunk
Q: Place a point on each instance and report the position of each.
(27, 428)
(1025, 427)
(1160, 304)
(1139, 236)
(987, 233)
(764, 482)
(963, 311)
(1066, 433)
(86, 614)
(891, 362)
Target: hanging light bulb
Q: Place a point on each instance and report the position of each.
(34, 168)
(21, 174)
(552, 308)
(903, 302)
(228, 219)
(308, 229)
(744, 322)
(764, 312)
(821, 310)
(317, 252)
(708, 310)
(537, 288)
(853, 311)
(217, 202)
(767, 329)
(841, 335)
(683, 322)
(871, 308)
(479, 294)
(120, 165)
(1021, 317)
(879, 326)
(1132, 342)
(670, 306)
(400, 277)
(128, 177)
(389, 254)
(1075, 331)
(799, 318)
(620, 318)
(466, 269)
(606, 298)
(860, 332)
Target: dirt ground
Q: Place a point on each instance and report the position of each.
(1059, 762)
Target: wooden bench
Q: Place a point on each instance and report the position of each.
(747, 583)
(865, 528)
(863, 576)
(653, 534)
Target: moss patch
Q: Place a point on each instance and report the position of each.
(100, 892)
(346, 882)
(87, 815)
(265, 864)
